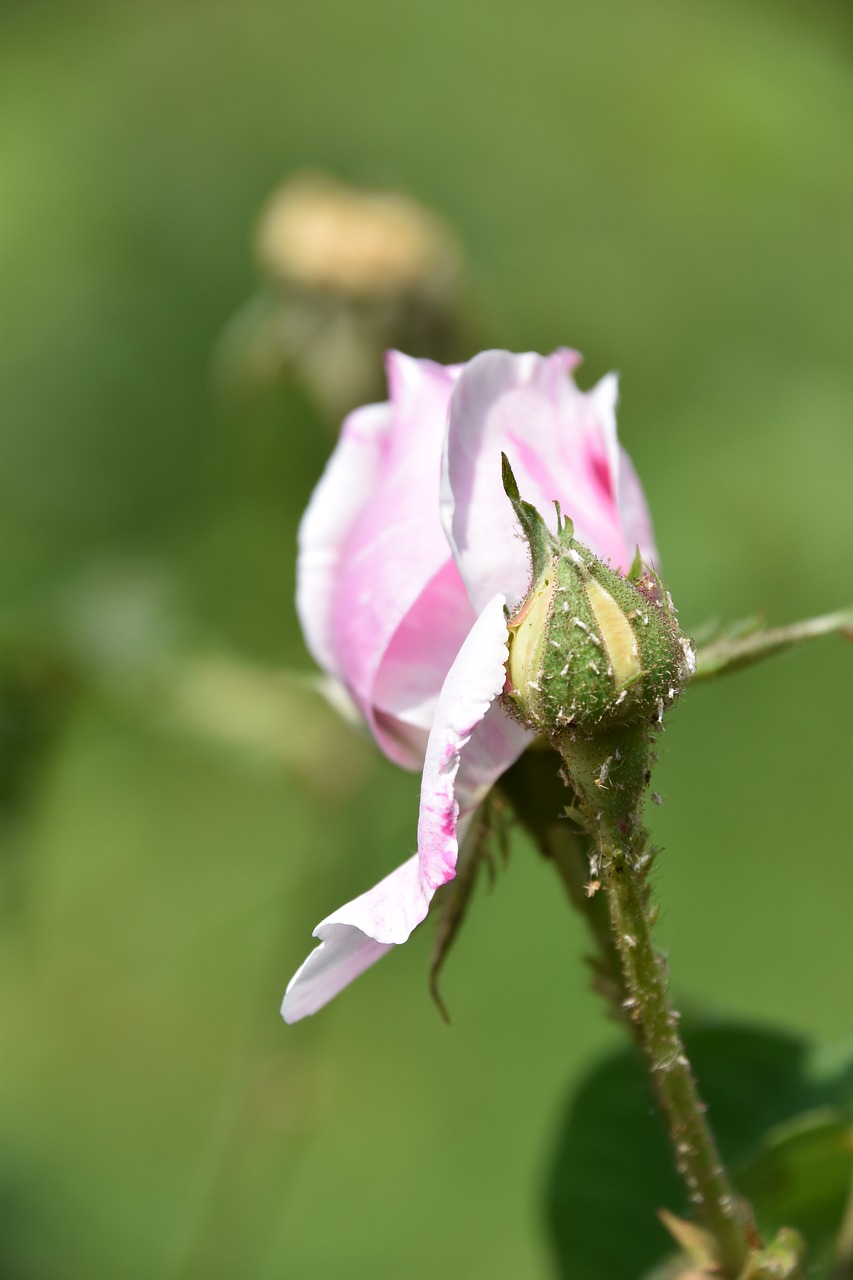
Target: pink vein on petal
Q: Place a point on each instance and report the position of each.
(471, 744)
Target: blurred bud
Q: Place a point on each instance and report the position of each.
(317, 234)
(348, 274)
(589, 648)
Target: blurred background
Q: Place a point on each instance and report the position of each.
(665, 186)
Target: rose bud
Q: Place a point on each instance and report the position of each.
(588, 647)
(346, 274)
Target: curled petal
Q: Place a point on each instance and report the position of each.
(498, 399)
(471, 744)
(347, 943)
(562, 445)
(469, 747)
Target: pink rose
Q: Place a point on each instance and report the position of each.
(409, 554)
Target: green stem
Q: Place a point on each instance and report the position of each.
(731, 653)
(644, 970)
(609, 777)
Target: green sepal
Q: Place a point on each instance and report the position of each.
(635, 573)
(543, 545)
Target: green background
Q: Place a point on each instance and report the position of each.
(665, 186)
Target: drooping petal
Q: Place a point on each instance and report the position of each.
(453, 783)
(347, 943)
(470, 745)
(495, 745)
(562, 445)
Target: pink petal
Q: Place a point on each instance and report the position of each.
(396, 550)
(344, 492)
(632, 509)
(496, 395)
(406, 686)
(469, 746)
(562, 445)
(347, 945)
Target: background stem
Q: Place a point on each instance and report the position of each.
(733, 653)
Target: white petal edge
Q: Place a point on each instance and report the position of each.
(472, 742)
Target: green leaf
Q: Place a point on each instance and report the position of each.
(612, 1169)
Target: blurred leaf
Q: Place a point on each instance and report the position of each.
(612, 1170)
(802, 1174)
(37, 688)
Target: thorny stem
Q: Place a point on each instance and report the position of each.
(609, 778)
(568, 852)
(696, 1153)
